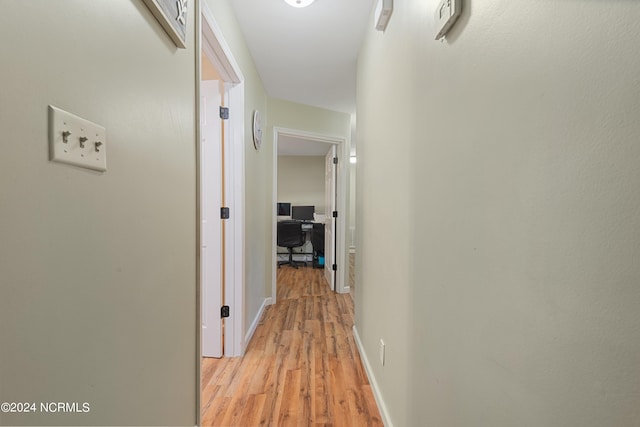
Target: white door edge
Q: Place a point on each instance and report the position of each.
(210, 234)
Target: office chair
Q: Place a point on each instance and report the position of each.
(317, 240)
(290, 236)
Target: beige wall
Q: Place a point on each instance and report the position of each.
(301, 181)
(506, 285)
(258, 169)
(97, 270)
(291, 115)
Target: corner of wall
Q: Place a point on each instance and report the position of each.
(377, 393)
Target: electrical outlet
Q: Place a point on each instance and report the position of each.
(382, 348)
(76, 141)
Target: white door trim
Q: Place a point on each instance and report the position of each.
(342, 253)
(217, 49)
(210, 40)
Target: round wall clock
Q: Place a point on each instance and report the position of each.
(257, 129)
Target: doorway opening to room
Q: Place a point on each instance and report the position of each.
(220, 178)
(311, 172)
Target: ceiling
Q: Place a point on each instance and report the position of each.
(306, 55)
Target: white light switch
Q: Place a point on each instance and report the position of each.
(76, 141)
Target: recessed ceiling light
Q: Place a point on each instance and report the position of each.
(299, 3)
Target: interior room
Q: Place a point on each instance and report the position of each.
(300, 183)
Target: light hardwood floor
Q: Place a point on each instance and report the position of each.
(301, 368)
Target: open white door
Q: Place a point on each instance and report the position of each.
(211, 224)
(330, 222)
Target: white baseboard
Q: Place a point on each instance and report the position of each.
(256, 320)
(384, 413)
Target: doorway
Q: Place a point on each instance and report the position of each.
(220, 261)
(220, 184)
(339, 230)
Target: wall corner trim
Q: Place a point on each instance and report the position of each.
(256, 320)
(384, 413)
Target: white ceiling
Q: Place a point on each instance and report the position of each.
(306, 55)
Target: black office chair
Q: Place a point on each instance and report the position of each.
(317, 240)
(290, 236)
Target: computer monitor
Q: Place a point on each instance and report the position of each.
(302, 213)
(284, 209)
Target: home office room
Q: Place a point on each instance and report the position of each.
(301, 137)
(305, 194)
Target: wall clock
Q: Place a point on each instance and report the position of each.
(257, 129)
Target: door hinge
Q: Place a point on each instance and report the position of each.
(334, 267)
(224, 213)
(224, 113)
(335, 214)
(224, 311)
(335, 160)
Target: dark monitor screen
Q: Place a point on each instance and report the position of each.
(303, 213)
(284, 209)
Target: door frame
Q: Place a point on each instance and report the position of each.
(219, 52)
(342, 252)
(209, 38)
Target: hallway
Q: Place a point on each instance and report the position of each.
(301, 368)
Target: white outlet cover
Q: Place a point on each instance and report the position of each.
(76, 141)
(382, 352)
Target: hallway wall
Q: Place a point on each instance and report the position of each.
(301, 181)
(291, 115)
(97, 270)
(498, 214)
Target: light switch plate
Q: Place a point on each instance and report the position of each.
(76, 141)
(446, 15)
(382, 14)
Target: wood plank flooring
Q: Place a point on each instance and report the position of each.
(301, 368)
